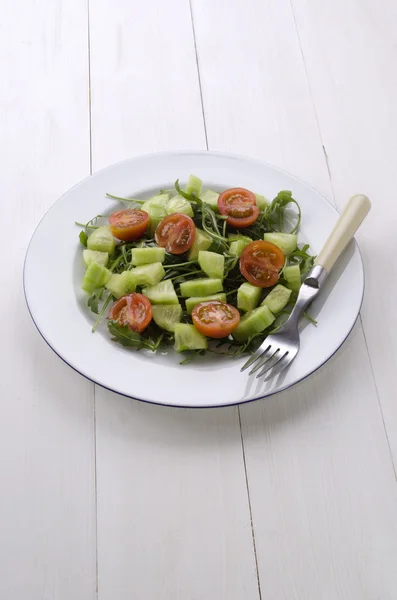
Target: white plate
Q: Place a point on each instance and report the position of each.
(53, 262)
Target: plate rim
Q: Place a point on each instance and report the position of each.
(215, 153)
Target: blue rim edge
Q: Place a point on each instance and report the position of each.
(202, 152)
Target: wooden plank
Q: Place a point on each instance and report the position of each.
(173, 515)
(354, 84)
(47, 504)
(321, 482)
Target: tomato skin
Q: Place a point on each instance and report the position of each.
(133, 310)
(260, 263)
(240, 207)
(215, 319)
(176, 233)
(128, 224)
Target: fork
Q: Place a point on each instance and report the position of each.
(279, 349)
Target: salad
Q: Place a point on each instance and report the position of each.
(195, 269)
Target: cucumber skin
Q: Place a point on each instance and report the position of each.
(101, 240)
(188, 338)
(194, 300)
(287, 242)
(248, 297)
(158, 315)
(201, 287)
(211, 263)
(253, 322)
(157, 295)
(277, 299)
(147, 256)
(148, 274)
(202, 241)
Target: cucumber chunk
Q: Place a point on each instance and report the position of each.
(248, 297)
(188, 338)
(201, 287)
(253, 322)
(233, 237)
(237, 246)
(90, 256)
(155, 207)
(277, 299)
(210, 198)
(211, 263)
(101, 240)
(95, 276)
(178, 204)
(161, 293)
(287, 242)
(292, 276)
(202, 241)
(191, 302)
(148, 274)
(146, 256)
(194, 185)
(167, 316)
(121, 284)
(261, 201)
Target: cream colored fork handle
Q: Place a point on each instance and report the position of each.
(349, 221)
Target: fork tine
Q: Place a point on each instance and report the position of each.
(267, 355)
(254, 358)
(270, 367)
(282, 364)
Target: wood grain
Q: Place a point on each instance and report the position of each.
(173, 515)
(317, 457)
(47, 503)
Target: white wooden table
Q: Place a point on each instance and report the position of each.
(291, 498)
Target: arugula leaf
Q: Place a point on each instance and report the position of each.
(131, 339)
(191, 197)
(93, 300)
(83, 238)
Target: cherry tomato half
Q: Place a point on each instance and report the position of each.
(260, 263)
(133, 310)
(215, 319)
(176, 233)
(240, 207)
(128, 224)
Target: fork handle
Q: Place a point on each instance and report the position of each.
(349, 221)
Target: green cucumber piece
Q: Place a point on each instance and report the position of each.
(178, 204)
(90, 256)
(194, 185)
(155, 207)
(191, 302)
(211, 198)
(148, 274)
(287, 242)
(167, 316)
(202, 241)
(201, 287)
(146, 256)
(161, 293)
(277, 299)
(248, 297)
(233, 237)
(253, 322)
(95, 276)
(121, 284)
(292, 276)
(236, 247)
(261, 201)
(188, 338)
(211, 263)
(101, 240)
